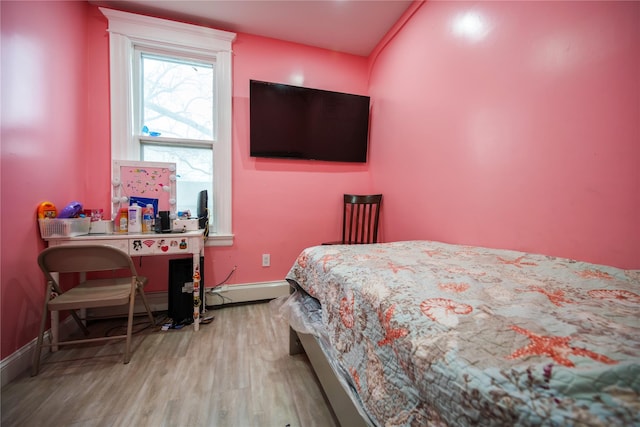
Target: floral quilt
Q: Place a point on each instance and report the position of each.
(448, 335)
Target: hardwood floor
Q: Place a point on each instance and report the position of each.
(235, 371)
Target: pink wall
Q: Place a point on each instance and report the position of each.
(524, 134)
(44, 110)
(282, 206)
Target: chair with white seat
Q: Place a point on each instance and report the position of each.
(120, 288)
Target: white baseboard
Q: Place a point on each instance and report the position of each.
(20, 360)
(226, 294)
(229, 294)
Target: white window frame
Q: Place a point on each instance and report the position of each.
(127, 30)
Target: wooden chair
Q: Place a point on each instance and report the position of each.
(119, 289)
(360, 217)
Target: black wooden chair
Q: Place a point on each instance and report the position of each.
(360, 217)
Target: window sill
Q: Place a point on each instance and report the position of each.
(219, 240)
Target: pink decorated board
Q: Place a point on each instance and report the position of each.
(152, 180)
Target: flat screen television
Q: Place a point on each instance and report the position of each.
(303, 123)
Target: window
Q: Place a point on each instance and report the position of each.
(174, 119)
(171, 102)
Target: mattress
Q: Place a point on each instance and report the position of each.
(304, 315)
(429, 333)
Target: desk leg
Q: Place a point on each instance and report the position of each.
(196, 291)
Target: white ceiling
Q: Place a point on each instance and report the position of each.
(351, 26)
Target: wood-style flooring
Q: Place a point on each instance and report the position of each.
(235, 371)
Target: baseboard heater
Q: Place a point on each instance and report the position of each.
(214, 297)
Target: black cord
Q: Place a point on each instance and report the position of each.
(159, 320)
(224, 301)
(235, 267)
(222, 297)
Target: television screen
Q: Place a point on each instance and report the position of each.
(302, 123)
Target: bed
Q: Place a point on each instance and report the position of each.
(422, 333)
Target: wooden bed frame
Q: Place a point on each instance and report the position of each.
(340, 401)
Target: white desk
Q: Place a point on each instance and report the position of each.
(153, 244)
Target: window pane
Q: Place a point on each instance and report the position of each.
(194, 172)
(178, 98)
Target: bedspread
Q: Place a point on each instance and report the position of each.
(439, 334)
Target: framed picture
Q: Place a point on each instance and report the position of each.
(142, 181)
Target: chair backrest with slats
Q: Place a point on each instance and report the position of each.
(87, 258)
(360, 218)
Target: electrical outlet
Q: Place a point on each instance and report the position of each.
(266, 260)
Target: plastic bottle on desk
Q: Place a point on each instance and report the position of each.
(122, 221)
(147, 219)
(135, 219)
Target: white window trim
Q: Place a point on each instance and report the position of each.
(127, 30)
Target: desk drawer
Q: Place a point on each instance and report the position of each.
(158, 246)
(120, 244)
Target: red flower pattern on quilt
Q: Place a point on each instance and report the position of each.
(435, 308)
(303, 260)
(558, 348)
(466, 251)
(615, 295)
(396, 268)
(346, 312)
(516, 262)
(356, 378)
(556, 297)
(432, 252)
(325, 259)
(594, 274)
(454, 287)
(390, 333)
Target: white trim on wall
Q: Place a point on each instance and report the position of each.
(127, 30)
(20, 361)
